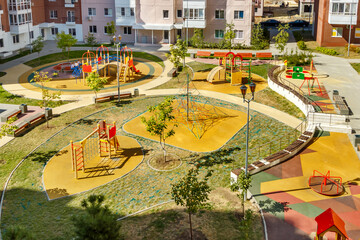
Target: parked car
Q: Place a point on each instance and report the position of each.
(299, 23)
(270, 23)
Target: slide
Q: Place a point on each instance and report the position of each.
(131, 65)
(213, 72)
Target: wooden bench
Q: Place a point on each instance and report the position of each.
(172, 73)
(341, 105)
(28, 123)
(9, 114)
(112, 96)
(264, 55)
(246, 55)
(220, 54)
(203, 54)
(337, 98)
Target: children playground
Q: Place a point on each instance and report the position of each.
(106, 149)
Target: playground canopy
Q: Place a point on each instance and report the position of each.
(330, 221)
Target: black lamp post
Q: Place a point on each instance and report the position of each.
(243, 90)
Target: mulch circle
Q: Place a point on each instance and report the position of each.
(157, 162)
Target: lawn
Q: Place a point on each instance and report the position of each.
(25, 203)
(356, 66)
(21, 54)
(78, 54)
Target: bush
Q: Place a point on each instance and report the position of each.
(328, 51)
(298, 58)
(301, 44)
(297, 35)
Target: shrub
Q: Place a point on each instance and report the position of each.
(301, 44)
(297, 35)
(328, 51)
(298, 58)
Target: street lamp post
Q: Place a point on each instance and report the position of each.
(117, 62)
(243, 89)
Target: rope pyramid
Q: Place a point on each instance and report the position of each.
(193, 112)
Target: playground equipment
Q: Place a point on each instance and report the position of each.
(326, 184)
(198, 116)
(99, 145)
(236, 69)
(329, 221)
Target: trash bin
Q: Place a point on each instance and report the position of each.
(357, 140)
(23, 108)
(48, 112)
(136, 92)
(335, 92)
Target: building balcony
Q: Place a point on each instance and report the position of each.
(19, 29)
(69, 5)
(194, 23)
(125, 21)
(342, 19)
(194, 4)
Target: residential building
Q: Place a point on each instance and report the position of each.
(332, 21)
(96, 15)
(160, 22)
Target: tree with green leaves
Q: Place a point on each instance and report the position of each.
(95, 82)
(197, 40)
(242, 184)
(65, 41)
(7, 128)
(111, 30)
(38, 45)
(98, 223)
(247, 230)
(17, 233)
(159, 122)
(229, 35)
(258, 39)
(91, 40)
(42, 78)
(191, 192)
(177, 53)
(282, 37)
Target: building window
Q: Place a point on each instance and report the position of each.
(219, 33)
(92, 11)
(54, 31)
(132, 12)
(239, 34)
(92, 29)
(219, 14)
(179, 13)
(52, 0)
(256, 9)
(344, 8)
(53, 14)
(307, 8)
(196, 14)
(178, 33)
(123, 12)
(337, 32)
(166, 35)
(108, 12)
(106, 29)
(127, 30)
(1, 43)
(72, 31)
(70, 16)
(238, 14)
(31, 34)
(43, 32)
(16, 39)
(357, 32)
(165, 14)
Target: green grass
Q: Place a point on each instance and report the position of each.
(8, 98)
(26, 204)
(356, 66)
(21, 54)
(261, 70)
(78, 54)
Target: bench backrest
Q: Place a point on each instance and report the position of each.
(264, 55)
(203, 54)
(245, 55)
(220, 54)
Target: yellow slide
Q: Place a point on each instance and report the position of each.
(213, 72)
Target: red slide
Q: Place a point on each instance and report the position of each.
(131, 65)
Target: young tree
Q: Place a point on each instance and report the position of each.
(197, 40)
(7, 128)
(158, 123)
(65, 42)
(242, 184)
(95, 82)
(177, 53)
(91, 40)
(191, 193)
(247, 230)
(38, 45)
(111, 30)
(258, 40)
(98, 223)
(229, 35)
(282, 37)
(17, 233)
(42, 78)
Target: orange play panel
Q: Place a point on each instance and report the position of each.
(59, 179)
(216, 132)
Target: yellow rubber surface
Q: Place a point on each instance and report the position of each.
(72, 84)
(217, 133)
(334, 153)
(59, 179)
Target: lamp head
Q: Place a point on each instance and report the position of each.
(243, 89)
(114, 38)
(252, 88)
(119, 37)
